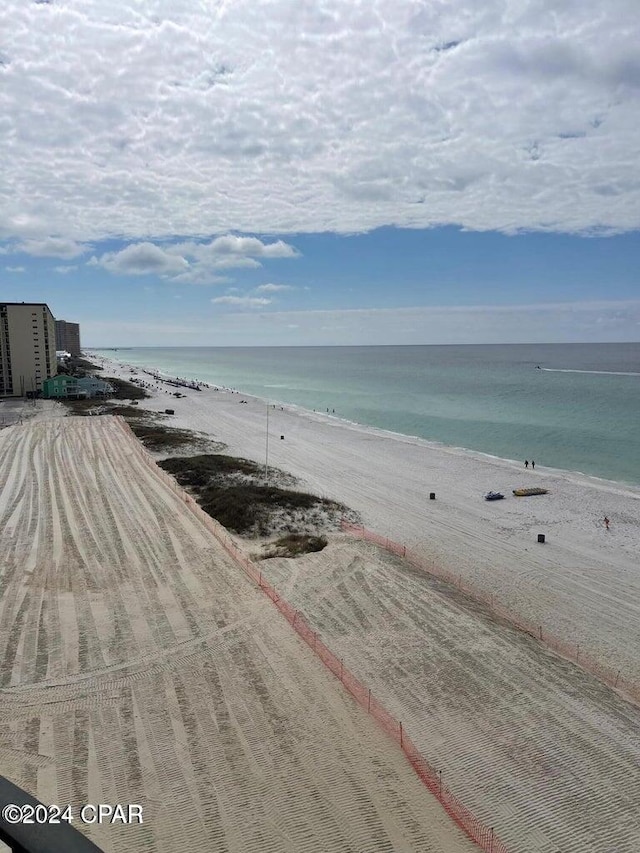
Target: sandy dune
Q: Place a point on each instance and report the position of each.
(138, 665)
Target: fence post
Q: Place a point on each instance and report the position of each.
(295, 616)
(440, 782)
(540, 631)
(341, 669)
(401, 747)
(491, 840)
(369, 702)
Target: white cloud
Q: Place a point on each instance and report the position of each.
(242, 301)
(51, 247)
(231, 251)
(251, 246)
(192, 262)
(141, 259)
(202, 119)
(15, 269)
(225, 252)
(231, 262)
(63, 270)
(273, 288)
(200, 274)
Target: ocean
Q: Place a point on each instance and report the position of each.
(579, 411)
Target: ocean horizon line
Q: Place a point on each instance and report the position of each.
(113, 348)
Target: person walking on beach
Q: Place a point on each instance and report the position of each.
(526, 463)
(533, 464)
(606, 522)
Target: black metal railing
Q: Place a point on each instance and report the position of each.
(39, 836)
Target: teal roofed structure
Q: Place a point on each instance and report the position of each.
(71, 387)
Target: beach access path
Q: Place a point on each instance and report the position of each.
(139, 665)
(582, 585)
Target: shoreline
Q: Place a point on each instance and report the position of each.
(478, 698)
(581, 586)
(630, 488)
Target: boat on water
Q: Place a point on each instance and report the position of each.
(523, 493)
(494, 496)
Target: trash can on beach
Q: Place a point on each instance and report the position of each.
(541, 538)
(432, 496)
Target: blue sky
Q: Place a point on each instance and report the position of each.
(397, 173)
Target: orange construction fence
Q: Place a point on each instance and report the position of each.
(477, 831)
(572, 651)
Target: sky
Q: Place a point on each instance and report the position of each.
(296, 172)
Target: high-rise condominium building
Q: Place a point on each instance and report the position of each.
(68, 337)
(27, 347)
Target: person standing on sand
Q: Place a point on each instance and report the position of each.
(533, 464)
(606, 522)
(526, 463)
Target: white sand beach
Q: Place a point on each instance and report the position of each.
(532, 744)
(582, 585)
(100, 623)
(140, 665)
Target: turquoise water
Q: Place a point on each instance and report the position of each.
(580, 411)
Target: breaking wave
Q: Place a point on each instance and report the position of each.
(598, 372)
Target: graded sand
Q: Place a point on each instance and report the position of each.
(139, 665)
